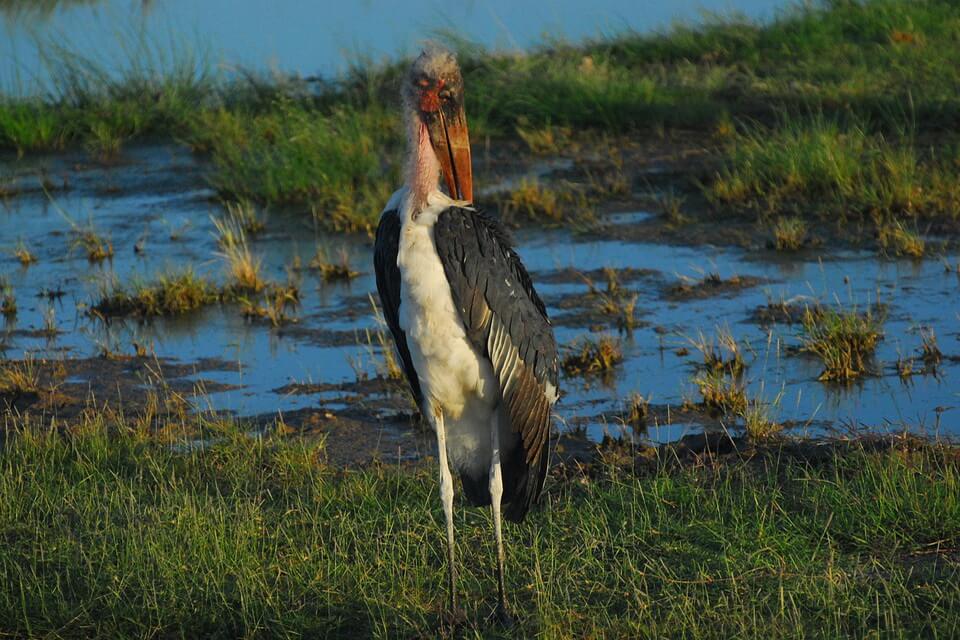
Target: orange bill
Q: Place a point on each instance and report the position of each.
(451, 142)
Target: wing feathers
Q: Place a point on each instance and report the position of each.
(386, 248)
(507, 322)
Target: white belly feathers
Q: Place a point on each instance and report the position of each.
(452, 374)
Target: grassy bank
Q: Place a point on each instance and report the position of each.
(887, 66)
(117, 533)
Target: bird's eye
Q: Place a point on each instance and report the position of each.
(423, 82)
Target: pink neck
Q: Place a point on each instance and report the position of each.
(423, 169)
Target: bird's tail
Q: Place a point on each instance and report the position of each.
(521, 491)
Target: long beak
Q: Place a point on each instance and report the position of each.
(451, 142)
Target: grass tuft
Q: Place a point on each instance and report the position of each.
(19, 378)
(617, 302)
(930, 352)
(92, 244)
(23, 254)
(242, 267)
(8, 301)
(588, 357)
(639, 410)
(243, 215)
(274, 306)
(789, 233)
(331, 270)
(721, 353)
(722, 393)
(844, 340)
(173, 293)
(896, 239)
(532, 200)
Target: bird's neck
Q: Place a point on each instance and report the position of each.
(423, 168)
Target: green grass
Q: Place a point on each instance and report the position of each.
(821, 166)
(112, 533)
(294, 154)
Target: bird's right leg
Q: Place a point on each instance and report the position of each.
(446, 497)
(496, 496)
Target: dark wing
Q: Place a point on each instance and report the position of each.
(506, 321)
(388, 285)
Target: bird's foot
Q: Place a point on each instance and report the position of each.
(452, 619)
(503, 616)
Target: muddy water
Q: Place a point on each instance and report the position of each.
(156, 200)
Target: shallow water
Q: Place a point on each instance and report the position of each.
(157, 197)
(311, 38)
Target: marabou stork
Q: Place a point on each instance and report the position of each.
(472, 333)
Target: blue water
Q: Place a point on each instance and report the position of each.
(163, 202)
(320, 37)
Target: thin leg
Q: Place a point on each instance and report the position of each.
(446, 496)
(496, 494)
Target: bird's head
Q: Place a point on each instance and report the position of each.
(433, 94)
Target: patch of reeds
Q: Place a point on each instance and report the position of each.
(333, 161)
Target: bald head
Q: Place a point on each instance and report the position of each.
(433, 100)
(434, 78)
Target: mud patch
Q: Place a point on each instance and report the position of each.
(711, 285)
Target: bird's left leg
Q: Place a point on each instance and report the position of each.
(496, 495)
